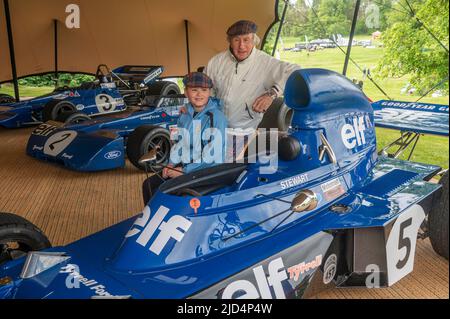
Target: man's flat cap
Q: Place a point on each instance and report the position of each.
(242, 27)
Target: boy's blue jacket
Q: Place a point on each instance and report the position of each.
(188, 150)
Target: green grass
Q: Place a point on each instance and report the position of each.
(333, 59)
(26, 91)
(430, 149)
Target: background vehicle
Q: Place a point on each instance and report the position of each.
(104, 143)
(112, 92)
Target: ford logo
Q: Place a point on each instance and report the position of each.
(113, 155)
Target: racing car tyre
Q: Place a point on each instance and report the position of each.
(277, 113)
(53, 108)
(163, 88)
(5, 98)
(18, 236)
(72, 117)
(438, 220)
(140, 142)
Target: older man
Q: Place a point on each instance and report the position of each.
(247, 80)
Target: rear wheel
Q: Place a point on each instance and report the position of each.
(6, 99)
(54, 108)
(438, 221)
(277, 116)
(72, 117)
(18, 236)
(145, 138)
(163, 88)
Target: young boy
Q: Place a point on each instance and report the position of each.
(188, 154)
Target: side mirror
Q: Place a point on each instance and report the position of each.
(305, 200)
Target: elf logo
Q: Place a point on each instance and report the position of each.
(353, 134)
(174, 228)
(247, 290)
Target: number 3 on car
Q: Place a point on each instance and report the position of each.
(59, 142)
(401, 244)
(105, 103)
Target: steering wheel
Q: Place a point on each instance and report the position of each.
(187, 192)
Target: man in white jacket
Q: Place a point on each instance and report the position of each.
(246, 79)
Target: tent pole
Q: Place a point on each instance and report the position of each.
(55, 28)
(188, 53)
(12, 54)
(283, 17)
(352, 34)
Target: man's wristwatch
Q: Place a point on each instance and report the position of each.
(272, 93)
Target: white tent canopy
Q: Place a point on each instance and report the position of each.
(118, 32)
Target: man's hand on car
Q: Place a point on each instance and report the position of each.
(166, 170)
(262, 103)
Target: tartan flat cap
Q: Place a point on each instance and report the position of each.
(242, 27)
(197, 80)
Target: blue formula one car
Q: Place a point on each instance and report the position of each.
(104, 143)
(333, 213)
(111, 92)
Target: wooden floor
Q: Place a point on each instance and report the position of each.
(69, 205)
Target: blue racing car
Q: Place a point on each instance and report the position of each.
(331, 213)
(111, 92)
(105, 142)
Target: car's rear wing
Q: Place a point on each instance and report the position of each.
(412, 117)
(139, 73)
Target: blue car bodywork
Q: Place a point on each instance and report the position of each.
(246, 238)
(91, 98)
(98, 144)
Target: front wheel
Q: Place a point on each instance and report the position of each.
(18, 236)
(145, 138)
(55, 108)
(72, 117)
(438, 221)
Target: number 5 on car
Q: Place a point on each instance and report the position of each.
(401, 243)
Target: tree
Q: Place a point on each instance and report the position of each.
(411, 50)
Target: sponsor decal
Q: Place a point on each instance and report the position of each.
(264, 284)
(353, 134)
(415, 106)
(66, 94)
(330, 269)
(113, 155)
(332, 189)
(297, 270)
(174, 228)
(153, 75)
(108, 85)
(37, 148)
(44, 130)
(80, 107)
(74, 94)
(74, 280)
(67, 156)
(294, 181)
(150, 117)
